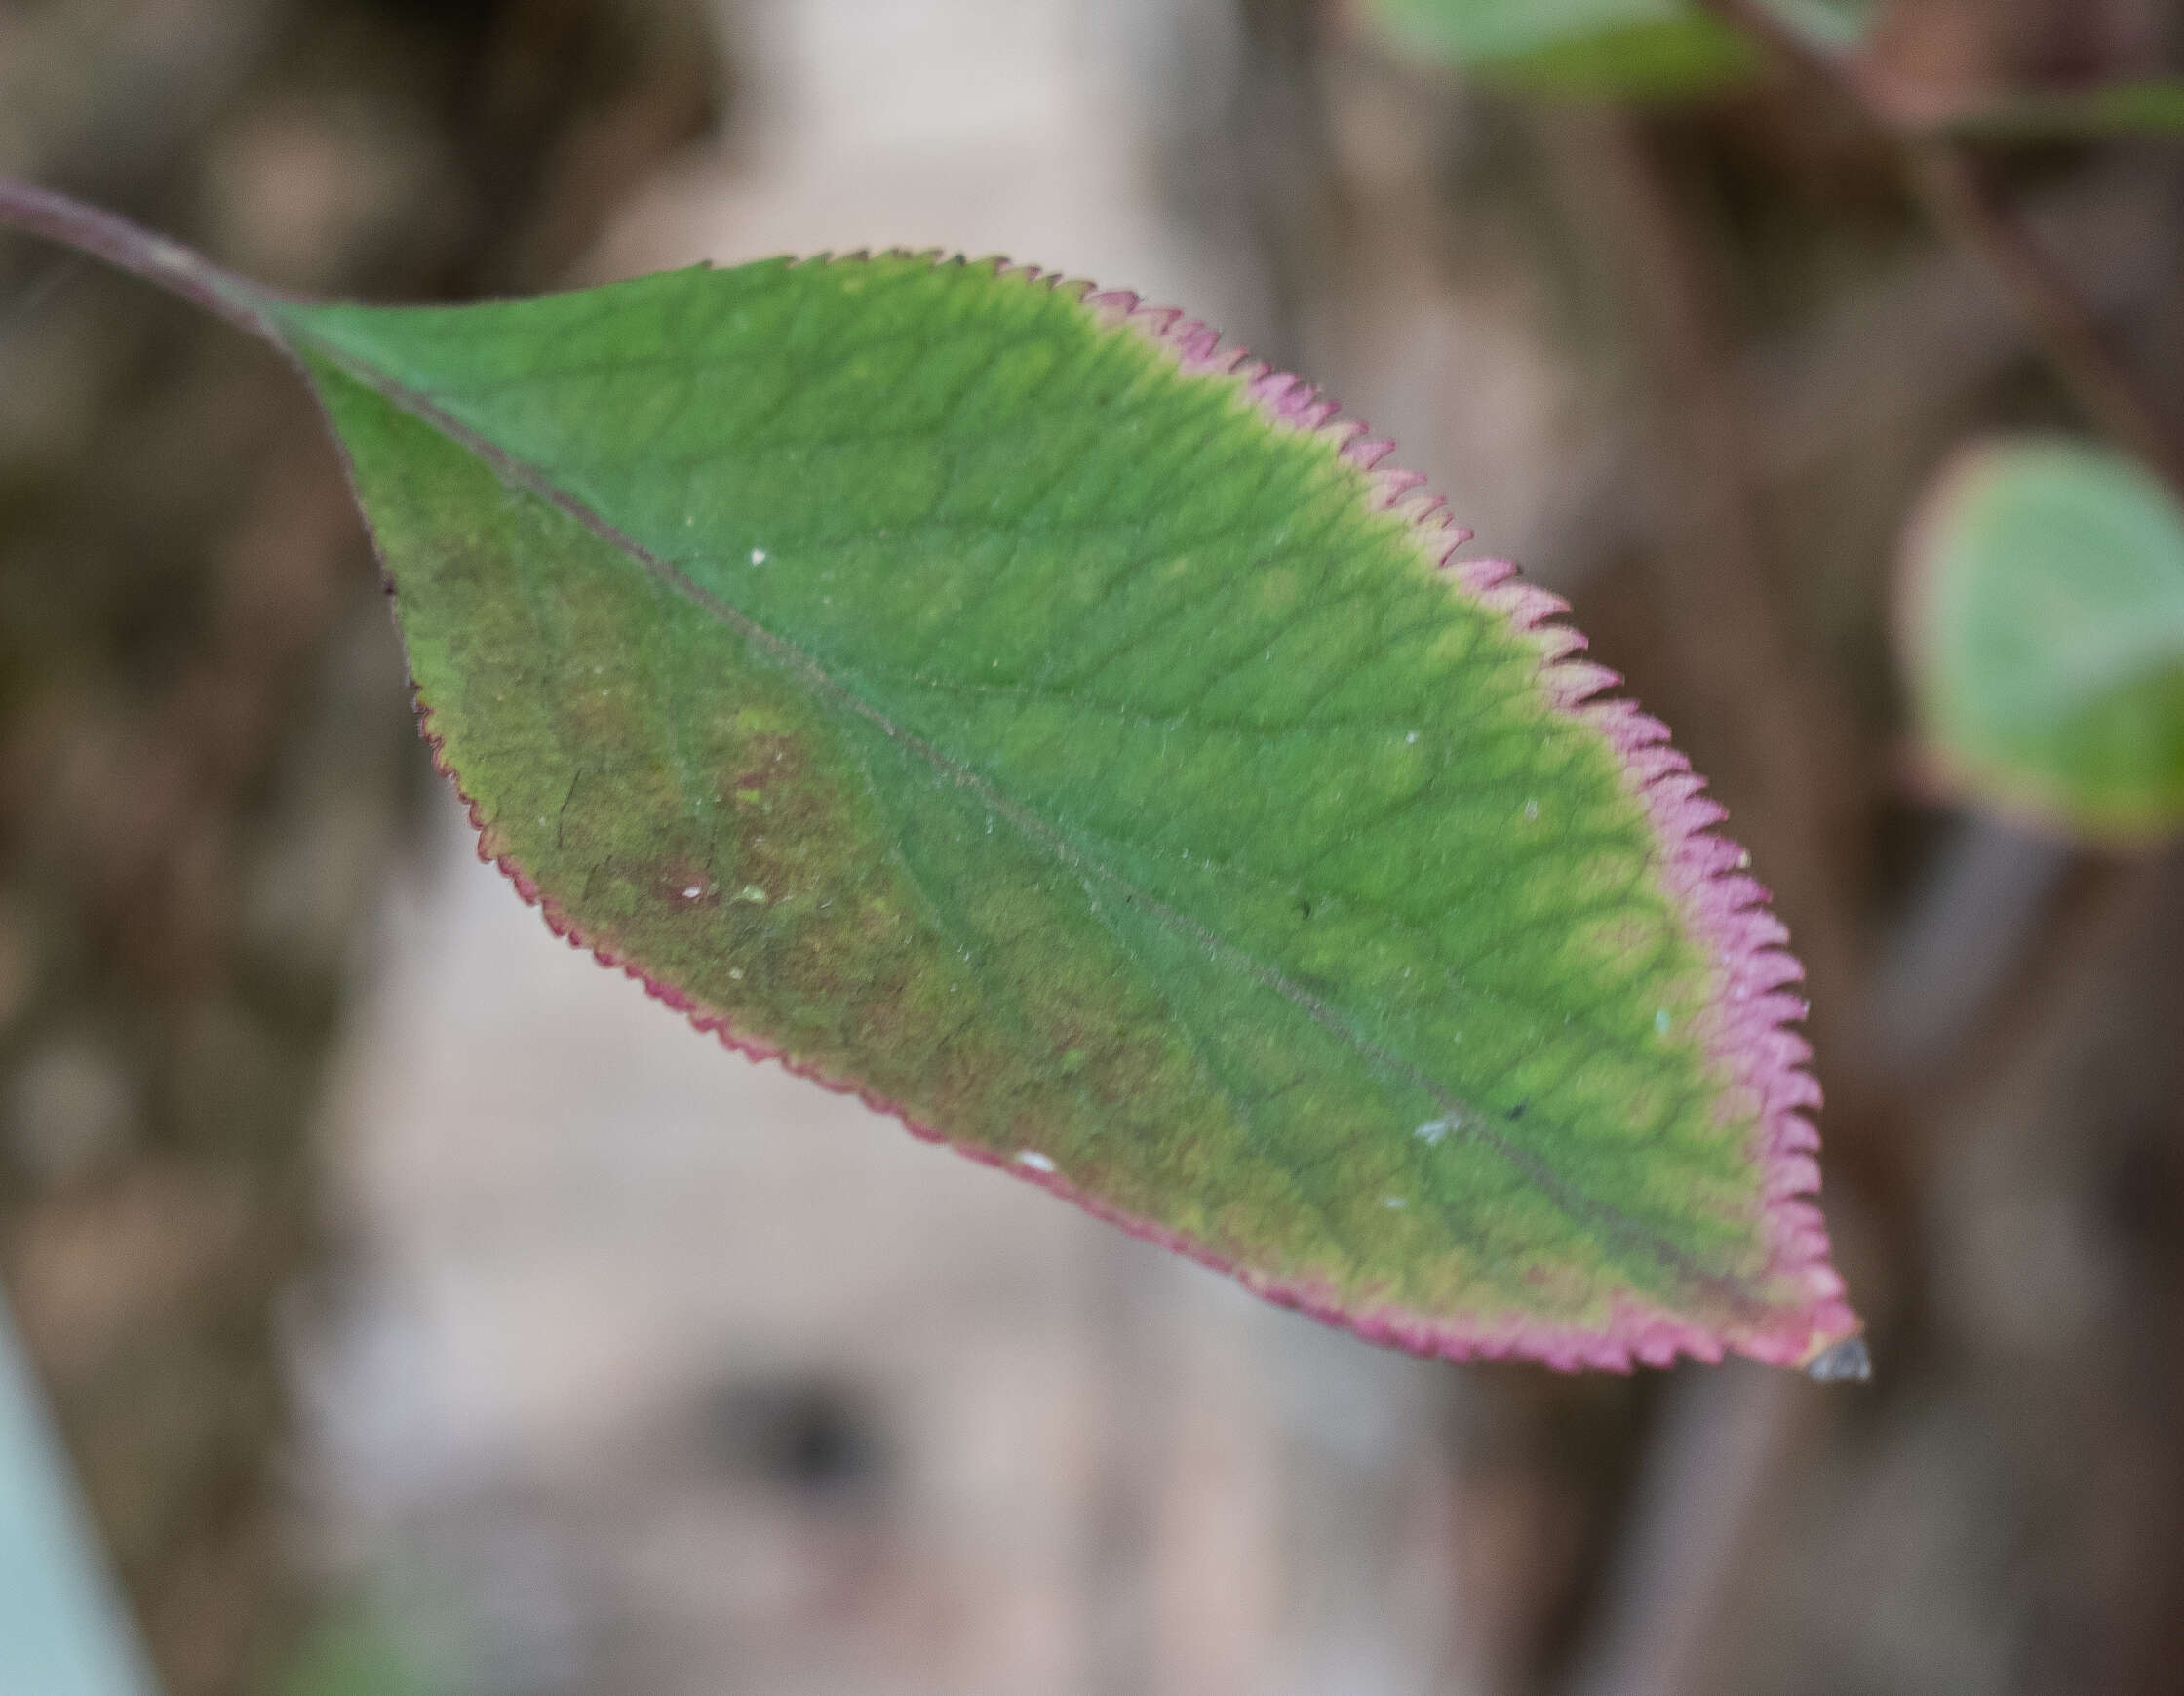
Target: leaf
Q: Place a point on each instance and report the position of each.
(2153, 106)
(989, 696)
(1831, 25)
(1634, 49)
(996, 698)
(2043, 629)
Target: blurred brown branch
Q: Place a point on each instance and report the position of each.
(1954, 186)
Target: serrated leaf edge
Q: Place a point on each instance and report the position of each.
(1746, 1031)
(1747, 1035)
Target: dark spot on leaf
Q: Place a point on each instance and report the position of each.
(1517, 1112)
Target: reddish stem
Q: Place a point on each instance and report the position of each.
(141, 253)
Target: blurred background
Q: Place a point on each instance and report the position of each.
(427, 1311)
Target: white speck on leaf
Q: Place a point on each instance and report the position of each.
(694, 892)
(758, 555)
(1395, 1201)
(1412, 737)
(1662, 1021)
(752, 892)
(1433, 1129)
(736, 972)
(1038, 1162)
(1532, 809)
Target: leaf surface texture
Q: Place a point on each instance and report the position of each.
(994, 698)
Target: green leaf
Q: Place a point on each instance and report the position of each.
(358, 1652)
(2043, 634)
(1831, 25)
(2153, 107)
(995, 698)
(1634, 49)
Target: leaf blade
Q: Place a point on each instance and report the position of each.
(1203, 931)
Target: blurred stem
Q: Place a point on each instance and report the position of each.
(132, 248)
(1962, 201)
(1958, 195)
(1777, 731)
(1706, 1474)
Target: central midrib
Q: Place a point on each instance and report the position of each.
(1475, 1125)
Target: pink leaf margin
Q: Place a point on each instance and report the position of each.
(1745, 1030)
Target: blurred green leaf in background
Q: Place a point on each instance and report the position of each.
(1831, 25)
(2150, 106)
(1625, 48)
(407, 1635)
(2043, 622)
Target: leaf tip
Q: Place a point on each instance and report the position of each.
(1848, 1361)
